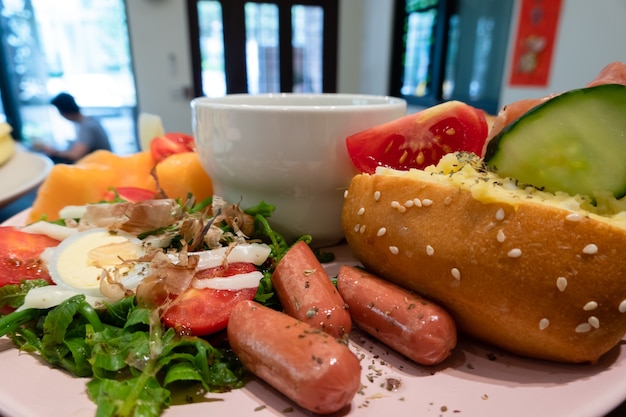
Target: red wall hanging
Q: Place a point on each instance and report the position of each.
(535, 42)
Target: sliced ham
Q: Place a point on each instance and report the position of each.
(512, 111)
(614, 73)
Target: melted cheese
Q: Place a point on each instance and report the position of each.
(467, 172)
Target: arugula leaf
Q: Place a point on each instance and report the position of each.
(63, 340)
(263, 209)
(265, 293)
(323, 257)
(118, 314)
(123, 398)
(202, 205)
(125, 369)
(12, 295)
(15, 320)
(132, 362)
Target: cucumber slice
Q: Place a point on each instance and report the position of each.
(575, 142)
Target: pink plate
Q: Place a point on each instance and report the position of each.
(477, 381)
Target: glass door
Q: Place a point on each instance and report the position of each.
(450, 50)
(75, 46)
(263, 47)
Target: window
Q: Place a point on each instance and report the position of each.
(261, 47)
(81, 47)
(450, 50)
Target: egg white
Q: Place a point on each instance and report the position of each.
(77, 263)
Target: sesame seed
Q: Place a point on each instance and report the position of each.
(591, 305)
(500, 214)
(427, 202)
(583, 328)
(361, 211)
(456, 273)
(514, 253)
(408, 203)
(500, 236)
(544, 323)
(394, 250)
(356, 227)
(362, 229)
(594, 321)
(417, 202)
(398, 206)
(622, 307)
(376, 195)
(430, 251)
(574, 217)
(345, 194)
(561, 283)
(381, 231)
(590, 249)
(447, 201)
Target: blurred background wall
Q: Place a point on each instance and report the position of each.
(589, 35)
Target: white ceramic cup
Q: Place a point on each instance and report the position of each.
(288, 150)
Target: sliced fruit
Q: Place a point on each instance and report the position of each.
(182, 173)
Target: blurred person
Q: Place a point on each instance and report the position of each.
(90, 135)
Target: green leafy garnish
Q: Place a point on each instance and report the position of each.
(12, 295)
(132, 361)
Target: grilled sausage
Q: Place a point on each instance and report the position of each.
(315, 370)
(307, 293)
(419, 329)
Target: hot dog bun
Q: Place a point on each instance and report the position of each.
(531, 272)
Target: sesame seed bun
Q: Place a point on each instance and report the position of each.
(527, 271)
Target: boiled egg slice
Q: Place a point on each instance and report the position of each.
(77, 263)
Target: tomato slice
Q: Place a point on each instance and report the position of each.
(19, 255)
(204, 311)
(421, 139)
(171, 143)
(130, 194)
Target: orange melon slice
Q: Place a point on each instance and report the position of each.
(182, 173)
(91, 177)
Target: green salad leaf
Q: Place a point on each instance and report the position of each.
(12, 295)
(132, 362)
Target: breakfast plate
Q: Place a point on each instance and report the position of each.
(476, 381)
(21, 174)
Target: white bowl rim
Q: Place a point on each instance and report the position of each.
(285, 101)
